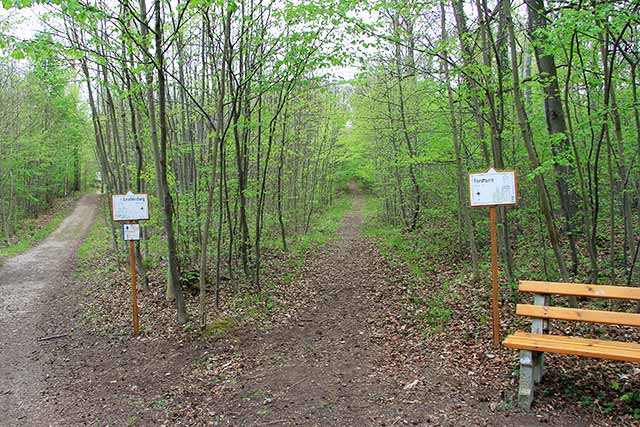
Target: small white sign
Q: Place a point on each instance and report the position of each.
(130, 207)
(493, 188)
(131, 232)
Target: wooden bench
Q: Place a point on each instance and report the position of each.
(533, 345)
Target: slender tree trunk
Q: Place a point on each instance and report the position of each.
(160, 155)
(460, 175)
(283, 142)
(408, 139)
(527, 137)
(218, 142)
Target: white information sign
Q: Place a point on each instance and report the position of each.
(131, 232)
(492, 188)
(130, 207)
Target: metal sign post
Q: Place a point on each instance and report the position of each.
(128, 209)
(493, 188)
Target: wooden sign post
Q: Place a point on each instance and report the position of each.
(128, 209)
(134, 289)
(490, 189)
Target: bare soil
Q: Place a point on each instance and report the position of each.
(340, 358)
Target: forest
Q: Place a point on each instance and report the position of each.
(234, 118)
(249, 121)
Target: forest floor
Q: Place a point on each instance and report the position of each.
(342, 357)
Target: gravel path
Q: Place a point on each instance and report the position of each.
(27, 283)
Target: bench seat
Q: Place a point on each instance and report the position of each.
(613, 350)
(534, 345)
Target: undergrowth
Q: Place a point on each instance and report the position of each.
(421, 256)
(323, 228)
(440, 271)
(106, 282)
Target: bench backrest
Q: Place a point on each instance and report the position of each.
(541, 309)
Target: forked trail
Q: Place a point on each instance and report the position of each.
(331, 367)
(334, 364)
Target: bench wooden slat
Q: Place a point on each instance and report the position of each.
(585, 341)
(577, 346)
(582, 315)
(580, 290)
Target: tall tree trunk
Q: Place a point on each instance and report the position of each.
(527, 137)
(160, 155)
(408, 137)
(556, 124)
(218, 142)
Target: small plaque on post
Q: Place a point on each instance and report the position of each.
(131, 232)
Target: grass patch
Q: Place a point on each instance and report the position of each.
(323, 228)
(218, 327)
(96, 243)
(419, 255)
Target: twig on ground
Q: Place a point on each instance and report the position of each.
(52, 337)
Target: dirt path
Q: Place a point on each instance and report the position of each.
(27, 282)
(318, 370)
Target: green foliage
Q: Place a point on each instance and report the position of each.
(618, 399)
(44, 139)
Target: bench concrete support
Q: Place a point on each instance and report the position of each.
(539, 326)
(538, 366)
(532, 362)
(527, 382)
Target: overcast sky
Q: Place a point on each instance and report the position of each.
(25, 22)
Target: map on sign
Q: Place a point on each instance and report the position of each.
(492, 188)
(130, 231)
(130, 207)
